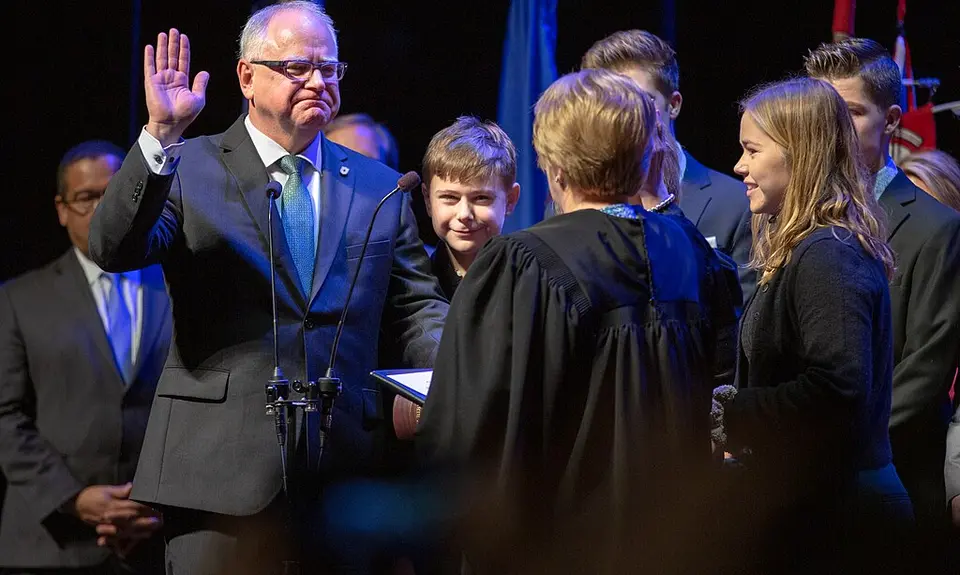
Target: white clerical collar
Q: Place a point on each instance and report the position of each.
(270, 152)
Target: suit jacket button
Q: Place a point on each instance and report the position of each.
(308, 324)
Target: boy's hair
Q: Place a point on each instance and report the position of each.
(90, 149)
(471, 150)
(629, 48)
(858, 57)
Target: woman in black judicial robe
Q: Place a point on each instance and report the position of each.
(815, 371)
(572, 385)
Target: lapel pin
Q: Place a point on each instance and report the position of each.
(344, 170)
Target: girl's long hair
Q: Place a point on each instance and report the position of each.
(828, 185)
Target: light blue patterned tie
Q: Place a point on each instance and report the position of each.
(119, 326)
(296, 209)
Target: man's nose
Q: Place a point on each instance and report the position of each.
(315, 81)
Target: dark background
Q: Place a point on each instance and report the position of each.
(68, 73)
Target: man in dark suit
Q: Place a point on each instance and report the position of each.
(925, 237)
(211, 459)
(80, 354)
(716, 203)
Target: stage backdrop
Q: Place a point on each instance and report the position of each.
(73, 73)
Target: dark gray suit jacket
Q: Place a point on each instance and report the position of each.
(925, 293)
(717, 204)
(209, 445)
(66, 418)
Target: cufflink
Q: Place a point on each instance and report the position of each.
(158, 158)
(344, 170)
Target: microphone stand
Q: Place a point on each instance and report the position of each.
(319, 394)
(278, 388)
(328, 387)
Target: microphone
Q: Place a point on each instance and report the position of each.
(405, 184)
(328, 387)
(278, 387)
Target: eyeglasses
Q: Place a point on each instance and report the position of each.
(84, 203)
(302, 70)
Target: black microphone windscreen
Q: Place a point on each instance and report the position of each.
(274, 189)
(408, 181)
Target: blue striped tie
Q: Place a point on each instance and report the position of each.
(296, 209)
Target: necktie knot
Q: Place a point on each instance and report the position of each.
(292, 165)
(111, 283)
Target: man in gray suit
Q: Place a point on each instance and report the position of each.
(716, 203)
(211, 460)
(80, 354)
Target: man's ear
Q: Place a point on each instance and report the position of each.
(61, 210)
(674, 104)
(245, 76)
(892, 119)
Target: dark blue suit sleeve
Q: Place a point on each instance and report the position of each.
(415, 309)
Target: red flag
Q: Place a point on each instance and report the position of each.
(843, 19)
(917, 131)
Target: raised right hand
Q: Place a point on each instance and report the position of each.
(171, 102)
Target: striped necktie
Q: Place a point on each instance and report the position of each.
(296, 209)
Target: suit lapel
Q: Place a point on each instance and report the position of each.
(155, 307)
(899, 193)
(75, 292)
(693, 198)
(242, 160)
(336, 197)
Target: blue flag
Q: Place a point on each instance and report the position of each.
(529, 66)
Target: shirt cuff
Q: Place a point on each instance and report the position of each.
(162, 161)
